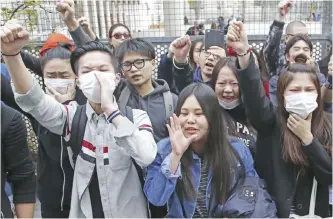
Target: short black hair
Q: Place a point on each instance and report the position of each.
(90, 47)
(62, 51)
(137, 45)
(295, 39)
(292, 25)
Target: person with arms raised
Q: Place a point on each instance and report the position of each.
(293, 151)
(106, 182)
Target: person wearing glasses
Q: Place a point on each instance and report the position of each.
(182, 72)
(137, 60)
(117, 34)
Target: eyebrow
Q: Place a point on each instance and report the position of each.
(102, 65)
(62, 72)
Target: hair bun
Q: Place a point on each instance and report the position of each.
(301, 59)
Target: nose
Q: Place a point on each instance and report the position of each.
(191, 118)
(210, 57)
(227, 89)
(133, 68)
(122, 37)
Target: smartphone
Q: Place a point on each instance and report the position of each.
(214, 38)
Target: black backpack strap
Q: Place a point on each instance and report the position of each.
(77, 130)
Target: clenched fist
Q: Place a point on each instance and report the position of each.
(237, 38)
(13, 37)
(180, 48)
(66, 10)
(284, 7)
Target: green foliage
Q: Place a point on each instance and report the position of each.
(26, 9)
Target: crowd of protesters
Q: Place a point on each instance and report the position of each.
(225, 132)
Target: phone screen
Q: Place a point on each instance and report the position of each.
(214, 38)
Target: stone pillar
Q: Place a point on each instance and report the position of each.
(95, 18)
(108, 14)
(102, 19)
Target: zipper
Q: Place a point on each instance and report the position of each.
(63, 173)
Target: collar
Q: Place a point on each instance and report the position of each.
(90, 112)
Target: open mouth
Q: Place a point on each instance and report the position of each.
(209, 64)
(191, 131)
(228, 99)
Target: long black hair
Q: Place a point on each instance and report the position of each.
(218, 152)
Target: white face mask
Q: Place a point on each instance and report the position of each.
(91, 87)
(301, 104)
(59, 84)
(229, 105)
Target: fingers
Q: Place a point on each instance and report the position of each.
(292, 120)
(181, 42)
(12, 31)
(52, 91)
(169, 130)
(177, 122)
(172, 124)
(100, 79)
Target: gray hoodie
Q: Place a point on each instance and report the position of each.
(153, 104)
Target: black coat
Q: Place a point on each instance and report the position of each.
(279, 175)
(54, 171)
(16, 163)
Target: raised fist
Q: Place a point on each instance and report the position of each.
(284, 7)
(180, 48)
(13, 37)
(84, 22)
(237, 38)
(66, 10)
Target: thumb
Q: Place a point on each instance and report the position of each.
(23, 34)
(240, 25)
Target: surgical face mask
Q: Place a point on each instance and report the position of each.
(229, 105)
(59, 84)
(91, 87)
(301, 104)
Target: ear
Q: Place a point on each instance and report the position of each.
(118, 78)
(154, 64)
(287, 57)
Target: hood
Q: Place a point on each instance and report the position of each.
(159, 85)
(197, 75)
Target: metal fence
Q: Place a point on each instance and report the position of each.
(160, 18)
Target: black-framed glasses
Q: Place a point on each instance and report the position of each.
(139, 63)
(206, 54)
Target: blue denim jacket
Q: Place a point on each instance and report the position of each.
(160, 183)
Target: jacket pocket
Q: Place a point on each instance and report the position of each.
(118, 159)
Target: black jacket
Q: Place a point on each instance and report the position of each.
(279, 175)
(54, 171)
(16, 163)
